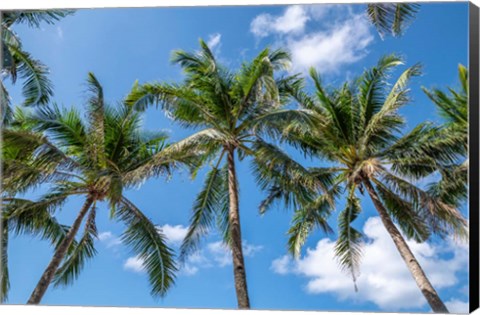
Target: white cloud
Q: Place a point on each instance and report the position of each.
(343, 44)
(213, 254)
(134, 264)
(59, 32)
(384, 278)
(340, 39)
(214, 41)
(293, 20)
(109, 239)
(174, 233)
(457, 306)
(250, 250)
(221, 254)
(105, 236)
(282, 265)
(189, 270)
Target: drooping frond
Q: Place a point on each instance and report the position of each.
(442, 218)
(452, 188)
(81, 251)
(348, 247)
(150, 246)
(305, 220)
(37, 87)
(411, 223)
(285, 179)
(211, 202)
(34, 218)
(391, 18)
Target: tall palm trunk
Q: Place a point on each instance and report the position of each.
(2, 234)
(236, 236)
(59, 254)
(415, 269)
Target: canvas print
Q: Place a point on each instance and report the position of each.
(287, 157)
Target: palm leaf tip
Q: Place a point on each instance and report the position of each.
(37, 87)
(211, 203)
(150, 245)
(392, 18)
(348, 248)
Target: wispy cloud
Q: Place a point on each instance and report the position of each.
(293, 20)
(457, 306)
(337, 37)
(221, 254)
(59, 32)
(212, 254)
(214, 41)
(134, 264)
(215, 254)
(384, 278)
(109, 239)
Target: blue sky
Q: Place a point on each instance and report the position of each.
(124, 45)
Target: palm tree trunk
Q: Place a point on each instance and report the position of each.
(59, 254)
(415, 269)
(236, 236)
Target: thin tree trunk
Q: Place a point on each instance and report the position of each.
(415, 269)
(58, 256)
(236, 236)
(2, 234)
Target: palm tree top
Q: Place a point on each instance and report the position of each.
(98, 156)
(359, 131)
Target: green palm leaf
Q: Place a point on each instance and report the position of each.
(80, 253)
(211, 202)
(150, 246)
(349, 242)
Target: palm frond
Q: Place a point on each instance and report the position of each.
(391, 18)
(82, 251)
(187, 151)
(150, 246)
(33, 18)
(412, 224)
(385, 123)
(348, 247)
(37, 88)
(305, 220)
(210, 203)
(96, 121)
(443, 219)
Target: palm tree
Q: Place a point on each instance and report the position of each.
(453, 109)
(359, 133)
(98, 159)
(233, 111)
(391, 18)
(18, 179)
(16, 62)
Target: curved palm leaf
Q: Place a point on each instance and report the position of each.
(150, 246)
(391, 18)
